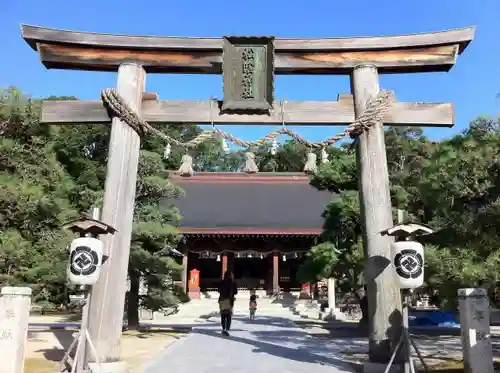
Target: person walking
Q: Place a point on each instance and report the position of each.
(227, 293)
(252, 306)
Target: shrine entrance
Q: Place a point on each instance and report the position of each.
(256, 271)
(252, 270)
(248, 65)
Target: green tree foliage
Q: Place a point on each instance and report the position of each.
(341, 246)
(452, 185)
(459, 186)
(289, 157)
(154, 234)
(34, 190)
(49, 174)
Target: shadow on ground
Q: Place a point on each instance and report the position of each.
(61, 340)
(267, 345)
(351, 339)
(268, 320)
(340, 343)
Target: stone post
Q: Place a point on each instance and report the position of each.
(15, 306)
(185, 272)
(475, 330)
(331, 294)
(331, 312)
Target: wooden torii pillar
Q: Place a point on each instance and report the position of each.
(361, 58)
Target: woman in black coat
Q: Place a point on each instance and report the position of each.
(227, 293)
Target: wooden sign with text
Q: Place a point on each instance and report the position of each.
(248, 69)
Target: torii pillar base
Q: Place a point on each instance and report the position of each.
(369, 367)
(110, 367)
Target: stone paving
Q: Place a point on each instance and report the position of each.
(271, 344)
(267, 344)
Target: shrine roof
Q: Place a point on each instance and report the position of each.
(242, 204)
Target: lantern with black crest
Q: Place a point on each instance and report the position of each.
(86, 252)
(408, 255)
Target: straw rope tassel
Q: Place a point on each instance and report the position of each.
(310, 166)
(373, 113)
(167, 151)
(186, 168)
(250, 165)
(324, 156)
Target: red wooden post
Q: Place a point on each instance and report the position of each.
(276, 276)
(224, 264)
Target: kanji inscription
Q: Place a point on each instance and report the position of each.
(248, 57)
(5, 335)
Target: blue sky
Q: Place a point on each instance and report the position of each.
(471, 85)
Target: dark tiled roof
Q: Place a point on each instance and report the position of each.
(251, 205)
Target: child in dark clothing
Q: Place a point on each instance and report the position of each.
(252, 305)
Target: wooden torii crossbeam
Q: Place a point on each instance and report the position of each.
(61, 49)
(134, 56)
(290, 112)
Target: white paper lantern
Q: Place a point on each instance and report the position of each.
(85, 260)
(408, 264)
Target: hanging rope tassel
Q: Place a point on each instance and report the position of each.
(274, 147)
(250, 165)
(374, 112)
(225, 146)
(186, 168)
(167, 151)
(311, 167)
(324, 156)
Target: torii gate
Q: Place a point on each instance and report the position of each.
(361, 58)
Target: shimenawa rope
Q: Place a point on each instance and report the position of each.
(374, 112)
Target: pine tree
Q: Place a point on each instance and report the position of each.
(34, 203)
(154, 235)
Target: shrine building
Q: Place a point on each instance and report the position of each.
(257, 225)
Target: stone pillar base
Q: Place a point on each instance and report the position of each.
(113, 367)
(194, 293)
(304, 295)
(369, 367)
(332, 315)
